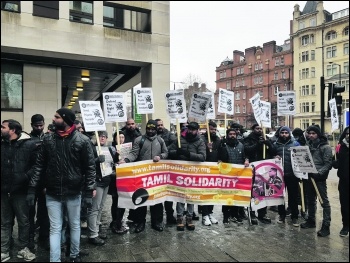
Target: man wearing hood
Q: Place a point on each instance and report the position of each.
(281, 150)
(322, 156)
(18, 153)
(148, 147)
(192, 149)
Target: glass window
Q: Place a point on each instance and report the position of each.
(345, 103)
(277, 61)
(283, 75)
(305, 90)
(331, 51)
(242, 82)
(304, 56)
(237, 83)
(11, 6)
(243, 95)
(332, 70)
(11, 86)
(305, 40)
(275, 90)
(81, 11)
(301, 24)
(275, 76)
(312, 54)
(346, 49)
(346, 31)
(313, 106)
(48, 9)
(331, 35)
(237, 95)
(282, 60)
(313, 21)
(313, 90)
(228, 86)
(305, 73)
(244, 109)
(346, 67)
(313, 72)
(238, 110)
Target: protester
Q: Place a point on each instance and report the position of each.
(322, 156)
(66, 162)
(18, 153)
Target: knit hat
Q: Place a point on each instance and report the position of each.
(285, 128)
(315, 129)
(151, 124)
(102, 133)
(193, 125)
(67, 115)
(254, 125)
(235, 126)
(297, 132)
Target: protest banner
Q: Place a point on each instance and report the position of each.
(334, 114)
(114, 105)
(199, 106)
(92, 115)
(144, 100)
(124, 150)
(255, 101)
(211, 115)
(226, 103)
(205, 183)
(265, 116)
(286, 103)
(107, 167)
(302, 161)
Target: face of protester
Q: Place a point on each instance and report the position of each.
(238, 131)
(103, 140)
(6, 133)
(258, 130)
(347, 135)
(130, 125)
(160, 127)
(58, 122)
(312, 135)
(191, 133)
(38, 127)
(79, 128)
(231, 135)
(284, 135)
(121, 138)
(212, 130)
(150, 132)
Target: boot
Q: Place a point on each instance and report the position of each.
(180, 224)
(308, 224)
(189, 223)
(324, 231)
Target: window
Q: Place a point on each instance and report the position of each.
(283, 75)
(313, 72)
(125, 17)
(345, 83)
(11, 86)
(313, 21)
(48, 9)
(305, 90)
(301, 25)
(345, 103)
(332, 70)
(313, 106)
(282, 60)
(244, 108)
(346, 67)
(238, 71)
(228, 86)
(305, 40)
(275, 76)
(260, 93)
(238, 110)
(304, 73)
(256, 67)
(313, 90)
(222, 74)
(276, 90)
(237, 83)
(277, 61)
(305, 107)
(11, 6)
(331, 35)
(242, 70)
(331, 51)
(237, 95)
(260, 65)
(242, 82)
(304, 56)
(243, 95)
(346, 49)
(312, 55)
(346, 31)
(312, 38)
(81, 11)
(304, 124)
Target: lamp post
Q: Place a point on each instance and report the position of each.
(339, 101)
(180, 82)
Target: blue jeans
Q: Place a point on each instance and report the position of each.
(14, 206)
(55, 208)
(180, 208)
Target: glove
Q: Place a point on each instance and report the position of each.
(101, 158)
(30, 199)
(184, 152)
(88, 202)
(335, 164)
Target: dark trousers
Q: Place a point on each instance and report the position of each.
(43, 217)
(156, 214)
(168, 205)
(230, 211)
(207, 210)
(261, 212)
(292, 185)
(117, 212)
(14, 206)
(343, 189)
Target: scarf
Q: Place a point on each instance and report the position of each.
(66, 133)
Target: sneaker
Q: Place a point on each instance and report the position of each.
(295, 222)
(213, 220)
(281, 220)
(96, 241)
(237, 220)
(308, 224)
(343, 232)
(226, 221)
(26, 254)
(265, 219)
(83, 224)
(76, 259)
(189, 223)
(180, 224)
(324, 231)
(5, 257)
(206, 221)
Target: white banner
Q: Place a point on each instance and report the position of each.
(175, 104)
(211, 109)
(114, 105)
(286, 103)
(92, 115)
(255, 101)
(124, 150)
(226, 101)
(107, 165)
(199, 106)
(302, 161)
(265, 117)
(334, 114)
(144, 100)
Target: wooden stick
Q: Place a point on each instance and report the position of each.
(178, 132)
(99, 147)
(264, 148)
(225, 123)
(302, 196)
(146, 118)
(118, 139)
(335, 147)
(316, 189)
(208, 132)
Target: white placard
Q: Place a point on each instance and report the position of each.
(175, 104)
(255, 101)
(302, 161)
(226, 101)
(107, 165)
(199, 106)
(114, 105)
(144, 100)
(265, 117)
(334, 114)
(286, 103)
(181, 120)
(124, 150)
(92, 115)
(211, 109)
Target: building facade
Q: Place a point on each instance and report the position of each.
(47, 47)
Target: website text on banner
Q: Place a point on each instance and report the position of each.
(207, 183)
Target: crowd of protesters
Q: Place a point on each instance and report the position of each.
(53, 182)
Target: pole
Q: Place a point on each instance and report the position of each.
(322, 103)
(339, 113)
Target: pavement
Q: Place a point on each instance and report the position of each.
(218, 243)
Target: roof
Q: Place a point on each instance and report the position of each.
(310, 7)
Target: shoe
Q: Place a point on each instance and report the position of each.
(281, 220)
(102, 235)
(254, 221)
(343, 232)
(119, 229)
(308, 224)
(324, 231)
(140, 227)
(194, 216)
(83, 253)
(83, 224)
(96, 241)
(199, 209)
(295, 222)
(180, 224)
(189, 223)
(157, 227)
(5, 256)
(304, 215)
(76, 259)
(206, 221)
(26, 254)
(212, 219)
(226, 221)
(265, 219)
(237, 220)
(242, 214)
(171, 220)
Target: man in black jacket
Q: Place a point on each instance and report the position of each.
(17, 157)
(66, 163)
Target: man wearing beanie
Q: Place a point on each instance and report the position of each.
(281, 149)
(322, 156)
(148, 147)
(66, 164)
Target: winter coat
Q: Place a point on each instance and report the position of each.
(169, 139)
(67, 165)
(322, 157)
(343, 161)
(17, 158)
(212, 156)
(232, 152)
(130, 136)
(254, 149)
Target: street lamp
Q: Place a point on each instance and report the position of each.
(180, 82)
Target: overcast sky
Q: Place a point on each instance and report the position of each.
(203, 34)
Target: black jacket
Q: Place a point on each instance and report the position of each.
(67, 165)
(322, 156)
(130, 136)
(236, 151)
(254, 149)
(212, 156)
(169, 139)
(17, 157)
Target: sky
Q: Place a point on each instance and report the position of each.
(203, 34)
